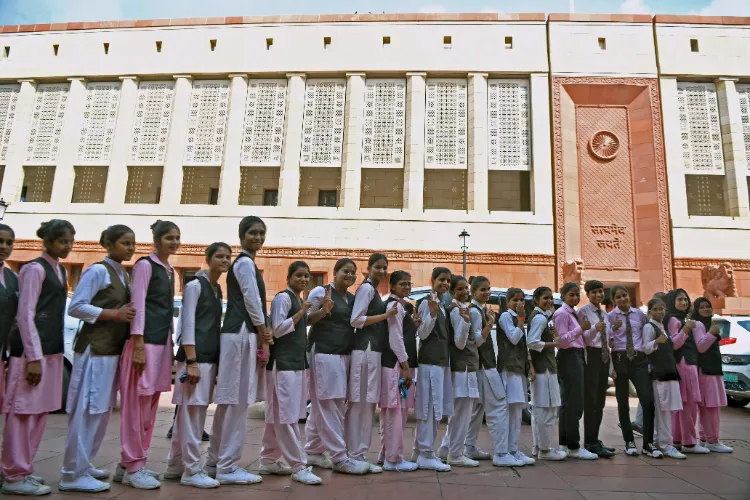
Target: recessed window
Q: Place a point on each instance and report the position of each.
(106, 48)
(694, 45)
(326, 42)
(327, 198)
(213, 45)
(271, 197)
(508, 42)
(188, 275)
(603, 44)
(447, 42)
(269, 43)
(158, 46)
(6, 51)
(386, 41)
(55, 48)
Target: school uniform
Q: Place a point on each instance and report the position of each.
(240, 380)
(152, 294)
(92, 392)
(286, 384)
(545, 389)
(512, 363)
(8, 310)
(364, 373)
(686, 355)
(37, 336)
(596, 372)
(491, 402)
(666, 381)
(571, 363)
(199, 325)
(711, 381)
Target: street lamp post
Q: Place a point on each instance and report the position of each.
(3, 207)
(464, 235)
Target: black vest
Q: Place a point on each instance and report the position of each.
(334, 332)
(159, 305)
(466, 359)
(512, 358)
(434, 349)
(106, 338)
(662, 360)
(49, 316)
(487, 356)
(290, 351)
(207, 324)
(375, 335)
(710, 361)
(389, 359)
(689, 350)
(543, 361)
(237, 314)
(8, 306)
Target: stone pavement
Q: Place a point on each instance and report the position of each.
(621, 478)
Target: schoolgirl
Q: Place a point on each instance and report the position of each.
(542, 341)
(146, 360)
(8, 298)
(244, 347)
(102, 302)
(399, 362)
(286, 381)
(198, 332)
(680, 328)
(434, 397)
(464, 363)
(34, 384)
(710, 376)
(329, 347)
(512, 363)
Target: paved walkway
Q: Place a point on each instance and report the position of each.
(621, 478)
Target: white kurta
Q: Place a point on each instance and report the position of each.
(545, 389)
(332, 370)
(465, 384)
(365, 293)
(667, 392)
(433, 382)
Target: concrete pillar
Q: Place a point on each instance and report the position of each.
(542, 190)
(229, 190)
(117, 175)
(351, 167)
(290, 175)
(171, 186)
(416, 95)
(19, 140)
(62, 186)
(733, 139)
(678, 208)
(478, 175)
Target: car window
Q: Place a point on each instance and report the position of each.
(724, 326)
(744, 324)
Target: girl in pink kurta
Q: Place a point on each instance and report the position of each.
(680, 328)
(146, 361)
(710, 376)
(8, 297)
(34, 386)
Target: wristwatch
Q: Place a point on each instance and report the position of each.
(191, 361)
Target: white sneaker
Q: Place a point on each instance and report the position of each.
(349, 466)
(719, 447)
(199, 480)
(381, 458)
(98, 473)
(442, 453)
(462, 461)
(120, 473)
(209, 470)
(238, 476)
(475, 453)
(319, 460)
(38, 479)
(565, 450)
(523, 458)
(552, 455)
(85, 484)
(28, 487)
(305, 476)
(414, 456)
(505, 460)
(672, 452)
(432, 463)
(582, 454)
(697, 449)
(402, 466)
(275, 468)
(174, 472)
(631, 449)
(141, 480)
(374, 468)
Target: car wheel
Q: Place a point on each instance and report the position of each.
(65, 382)
(735, 402)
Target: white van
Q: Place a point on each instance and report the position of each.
(735, 358)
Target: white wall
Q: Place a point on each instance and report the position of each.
(723, 50)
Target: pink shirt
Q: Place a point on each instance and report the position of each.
(593, 337)
(30, 285)
(618, 337)
(679, 337)
(566, 323)
(703, 339)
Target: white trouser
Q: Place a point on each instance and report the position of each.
(283, 440)
(662, 423)
(543, 426)
(458, 426)
(324, 429)
(426, 432)
(187, 435)
(358, 422)
(515, 412)
(496, 411)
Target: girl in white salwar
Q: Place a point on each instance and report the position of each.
(286, 381)
(244, 349)
(102, 302)
(198, 332)
(542, 340)
(434, 397)
(369, 340)
(464, 362)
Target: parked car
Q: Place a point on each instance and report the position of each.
(735, 358)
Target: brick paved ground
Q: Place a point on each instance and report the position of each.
(621, 478)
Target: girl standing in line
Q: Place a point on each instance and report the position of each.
(102, 302)
(512, 363)
(399, 363)
(199, 330)
(146, 361)
(241, 364)
(370, 338)
(710, 376)
(329, 348)
(464, 362)
(434, 389)
(34, 385)
(8, 298)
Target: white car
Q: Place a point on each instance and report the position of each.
(735, 358)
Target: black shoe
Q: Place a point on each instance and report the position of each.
(205, 437)
(608, 448)
(637, 429)
(169, 432)
(600, 450)
(652, 451)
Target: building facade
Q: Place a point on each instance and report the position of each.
(568, 146)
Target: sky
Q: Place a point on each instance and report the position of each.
(46, 11)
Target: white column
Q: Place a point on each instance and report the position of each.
(117, 175)
(416, 95)
(678, 208)
(733, 138)
(289, 176)
(19, 141)
(478, 175)
(229, 190)
(542, 191)
(171, 186)
(62, 186)
(351, 168)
